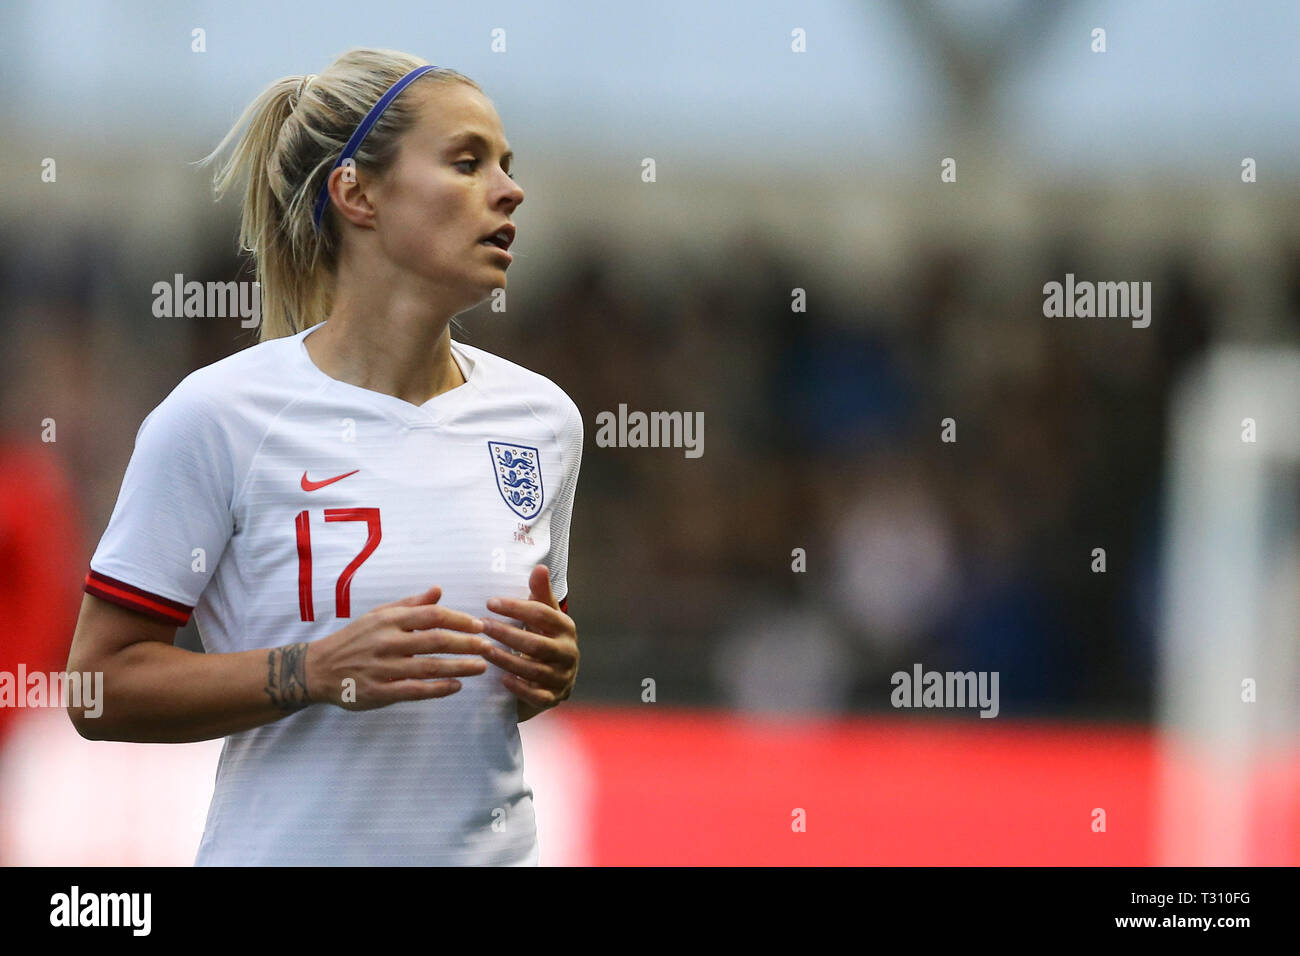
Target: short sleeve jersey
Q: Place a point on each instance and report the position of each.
(276, 503)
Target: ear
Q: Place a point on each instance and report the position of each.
(348, 194)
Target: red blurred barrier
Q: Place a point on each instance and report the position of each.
(661, 786)
(674, 787)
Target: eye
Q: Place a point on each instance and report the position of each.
(473, 164)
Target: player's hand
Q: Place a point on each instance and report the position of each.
(546, 668)
(377, 654)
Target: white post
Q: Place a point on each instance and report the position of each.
(1230, 613)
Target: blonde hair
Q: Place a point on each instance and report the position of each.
(293, 133)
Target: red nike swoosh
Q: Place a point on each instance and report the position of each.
(313, 485)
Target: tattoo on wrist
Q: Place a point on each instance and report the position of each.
(286, 677)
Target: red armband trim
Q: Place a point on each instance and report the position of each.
(137, 599)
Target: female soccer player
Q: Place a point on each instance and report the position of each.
(291, 494)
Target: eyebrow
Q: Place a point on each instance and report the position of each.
(479, 139)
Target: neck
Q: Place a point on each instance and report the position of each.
(388, 342)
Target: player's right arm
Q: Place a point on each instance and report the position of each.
(173, 520)
(154, 692)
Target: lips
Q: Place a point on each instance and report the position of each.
(501, 237)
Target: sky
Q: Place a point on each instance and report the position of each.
(1181, 82)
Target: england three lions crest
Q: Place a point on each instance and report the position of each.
(518, 469)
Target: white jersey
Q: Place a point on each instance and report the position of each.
(277, 503)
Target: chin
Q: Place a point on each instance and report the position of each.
(484, 291)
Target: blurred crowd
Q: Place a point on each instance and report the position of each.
(826, 538)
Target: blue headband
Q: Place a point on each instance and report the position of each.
(323, 198)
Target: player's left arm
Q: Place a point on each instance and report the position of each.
(544, 671)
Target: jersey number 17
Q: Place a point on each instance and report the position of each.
(343, 587)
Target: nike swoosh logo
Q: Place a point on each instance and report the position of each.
(314, 485)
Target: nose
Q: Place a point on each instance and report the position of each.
(511, 195)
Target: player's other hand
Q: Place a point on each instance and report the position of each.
(373, 661)
(544, 671)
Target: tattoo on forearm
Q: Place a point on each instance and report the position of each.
(286, 677)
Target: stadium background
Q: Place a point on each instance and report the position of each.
(775, 171)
